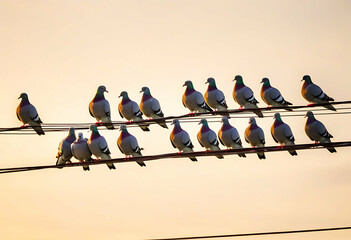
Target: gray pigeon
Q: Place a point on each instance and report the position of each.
(215, 97)
(254, 135)
(282, 134)
(130, 110)
(99, 108)
(272, 96)
(98, 146)
(128, 144)
(151, 107)
(180, 139)
(80, 150)
(208, 138)
(193, 100)
(229, 136)
(64, 153)
(316, 131)
(27, 114)
(244, 96)
(314, 94)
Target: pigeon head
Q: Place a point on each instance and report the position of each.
(211, 81)
(252, 120)
(277, 116)
(265, 81)
(238, 79)
(188, 84)
(123, 94)
(203, 122)
(71, 132)
(123, 128)
(145, 90)
(307, 79)
(93, 128)
(80, 135)
(309, 114)
(24, 96)
(101, 89)
(175, 122)
(225, 120)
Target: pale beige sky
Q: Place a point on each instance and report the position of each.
(59, 52)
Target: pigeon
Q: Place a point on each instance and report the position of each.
(27, 114)
(193, 100)
(64, 153)
(316, 131)
(282, 134)
(180, 139)
(98, 146)
(130, 110)
(229, 136)
(208, 138)
(128, 144)
(244, 96)
(80, 150)
(215, 97)
(254, 135)
(314, 94)
(99, 108)
(151, 107)
(272, 96)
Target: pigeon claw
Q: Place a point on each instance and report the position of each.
(269, 107)
(310, 104)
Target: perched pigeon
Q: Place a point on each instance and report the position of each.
(99, 108)
(244, 96)
(208, 138)
(180, 139)
(80, 150)
(151, 107)
(215, 97)
(98, 146)
(193, 100)
(27, 114)
(254, 135)
(316, 131)
(64, 153)
(282, 134)
(130, 110)
(229, 136)
(314, 94)
(272, 96)
(128, 144)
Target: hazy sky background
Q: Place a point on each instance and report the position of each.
(59, 52)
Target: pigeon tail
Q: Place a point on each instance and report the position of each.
(141, 163)
(293, 152)
(330, 107)
(111, 166)
(38, 130)
(258, 113)
(193, 159)
(242, 155)
(108, 125)
(162, 123)
(261, 155)
(144, 128)
(331, 149)
(86, 168)
(219, 156)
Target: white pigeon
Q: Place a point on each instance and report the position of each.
(99, 108)
(194, 100)
(316, 131)
(64, 153)
(272, 96)
(229, 136)
(151, 107)
(98, 146)
(128, 144)
(130, 110)
(282, 133)
(314, 94)
(208, 138)
(215, 97)
(254, 135)
(81, 151)
(244, 96)
(27, 114)
(180, 139)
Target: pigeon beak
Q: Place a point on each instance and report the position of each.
(301, 80)
(106, 91)
(234, 80)
(261, 81)
(119, 96)
(184, 85)
(199, 123)
(141, 91)
(206, 82)
(19, 97)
